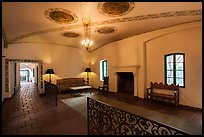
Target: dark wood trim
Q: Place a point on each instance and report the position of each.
(4, 38)
(190, 108)
(51, 91)
(174, 68)
(163, 86)
(179, 106)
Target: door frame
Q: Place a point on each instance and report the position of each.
(40, 69)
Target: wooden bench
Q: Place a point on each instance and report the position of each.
(72, 85)
(169, 93)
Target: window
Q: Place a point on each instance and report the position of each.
(24, 75)
(103, 69)
(175, 69)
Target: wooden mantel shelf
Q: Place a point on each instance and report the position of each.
(128, 68)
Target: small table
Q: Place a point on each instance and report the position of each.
(79, 88)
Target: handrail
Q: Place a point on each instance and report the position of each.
(103, 119)
(51, 91)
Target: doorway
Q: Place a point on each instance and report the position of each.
(12, 74)
(24, 75)
(28, 72)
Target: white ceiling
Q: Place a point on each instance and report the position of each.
(26, 22)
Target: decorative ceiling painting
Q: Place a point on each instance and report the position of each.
(115, 9)
(61, 16)
(106, 30)
(62, 23)
(70, 34)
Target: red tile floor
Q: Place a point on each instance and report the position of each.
(28, 113)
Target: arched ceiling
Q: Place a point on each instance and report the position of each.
(60, 23)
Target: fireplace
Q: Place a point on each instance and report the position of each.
(132, 70)
(125, 82)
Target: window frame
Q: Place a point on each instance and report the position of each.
(174, 68)
(102, 73)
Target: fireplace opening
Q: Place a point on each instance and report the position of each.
(125, 82)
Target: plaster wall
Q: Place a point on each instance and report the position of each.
(189, 42)
(66, 61)
(138, 50)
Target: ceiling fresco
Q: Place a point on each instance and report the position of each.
(106, 29)
(115, 9)
(60, 23)
(61, 16)
(70, 34)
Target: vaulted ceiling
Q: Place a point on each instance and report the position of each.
(60, 23)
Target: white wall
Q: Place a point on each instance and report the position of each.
(66, 61)
(35, 74)
(120, 53)
(189, 42)
(135, 51)
(11, 80)
(71, 62)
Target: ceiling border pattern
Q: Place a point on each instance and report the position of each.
(12, 41)
(118, 20)
(46, 43)
(149, 31)
(152, 16)
(105, 43)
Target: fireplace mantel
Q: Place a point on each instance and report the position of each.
(129, 68)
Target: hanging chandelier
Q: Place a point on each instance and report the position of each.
(86, 19)
(87, 43)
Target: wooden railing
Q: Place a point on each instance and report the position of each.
(104, 119)
(51, 91)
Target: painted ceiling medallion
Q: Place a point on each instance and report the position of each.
(106, 30)
(61, 16)
(70, 34)
(115, 9)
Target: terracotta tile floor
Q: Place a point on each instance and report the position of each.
(28, 113)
